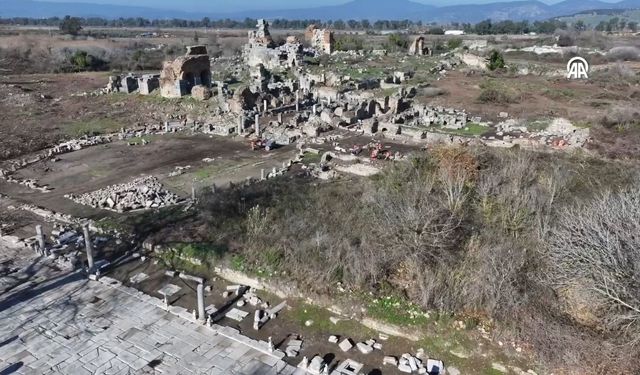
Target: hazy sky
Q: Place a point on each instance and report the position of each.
(235, 5)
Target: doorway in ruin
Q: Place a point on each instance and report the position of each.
(190, 79)
(205, 78)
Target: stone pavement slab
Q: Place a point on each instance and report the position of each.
(70, 325)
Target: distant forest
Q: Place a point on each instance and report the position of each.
(484, 28)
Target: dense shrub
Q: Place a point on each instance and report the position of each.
(496, 61)
(627, 53)
(493, 233)
(454, 43)
(70, 25)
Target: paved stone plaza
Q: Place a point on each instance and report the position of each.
(66, 324)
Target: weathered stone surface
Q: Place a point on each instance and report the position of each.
(418, 48)
(389, 360)
(320, 39)
(345, 345)
(201, 92)
(86, 327)
(261, 50)
(178, 77)
(364, 348)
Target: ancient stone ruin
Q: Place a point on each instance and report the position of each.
(417, 47)
(148, 83)
(261, 49)
(261, 36)
(320, 39)
(179, 77)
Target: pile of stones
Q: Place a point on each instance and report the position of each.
(78, 144)
(142, 193)
(409, 364)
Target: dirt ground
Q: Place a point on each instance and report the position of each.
(535, 97)
(38, 111)
(97, 167)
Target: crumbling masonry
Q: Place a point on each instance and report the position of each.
(321, 39)
(179, 77)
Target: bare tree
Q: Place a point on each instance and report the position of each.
(594, 250)
(413, 221)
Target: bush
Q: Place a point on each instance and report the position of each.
(348, 43)
(70, 25)
(496, 61)
(82, 61)
(627, 53)
(495, 95)
(462, 230)
(454, 43)
(397, 42)
(621, 117)
(565, 39)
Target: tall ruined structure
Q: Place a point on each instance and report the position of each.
(261, 36)
(180, 76)
(261, 49)
(320, 39)
(417, 47)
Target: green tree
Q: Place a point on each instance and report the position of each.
(613, 24)
(622, 24)
(496, 61)
(633, 26)
(454, 43)
(436, 31)
(339, 25)
(580, 25)
(70, 25)
(398, 41)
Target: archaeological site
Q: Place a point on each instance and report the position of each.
(345, 188)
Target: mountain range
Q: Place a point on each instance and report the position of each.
(356, 9)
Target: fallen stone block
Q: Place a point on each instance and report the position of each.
(275, 310)
(345, 345)
(364, 348)
(390, 361)
(237, 315)
(403, 367)
(435, 367)
(316, 366)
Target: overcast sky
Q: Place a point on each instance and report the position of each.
(235, 5)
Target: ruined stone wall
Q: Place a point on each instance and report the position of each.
(320, 39)
(418, 48)
(178, 77)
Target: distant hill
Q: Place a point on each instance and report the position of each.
(357, 9)
(594, 17)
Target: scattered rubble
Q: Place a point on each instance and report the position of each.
(142, 193)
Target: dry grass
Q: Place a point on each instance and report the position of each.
(462, 243)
